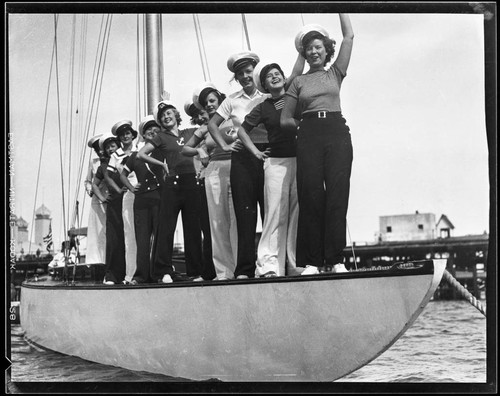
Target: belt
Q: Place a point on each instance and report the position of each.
(322, 114)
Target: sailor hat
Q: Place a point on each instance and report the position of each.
(105, 137)
(160, 107)
(305, 30)
(190, 108)
(200, 94)
(121, 124)
(93, 140)
(237, 61)
(146, 122)
(260, 71)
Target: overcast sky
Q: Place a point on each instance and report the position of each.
(413, 98)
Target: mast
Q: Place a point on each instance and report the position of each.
(154, 60)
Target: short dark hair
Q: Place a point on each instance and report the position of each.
(202, 99)
(327, 42)
(264, 72)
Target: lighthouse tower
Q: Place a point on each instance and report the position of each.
(42, 223)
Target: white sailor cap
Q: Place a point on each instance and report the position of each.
(200, 94)
(304, 31)
(163, 105)
(260, 71)
(105, 137)
(146, 122)
(121, 124)
(190, 108)
(237, 61)
(93, 140)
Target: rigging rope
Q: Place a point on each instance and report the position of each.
(60, 138)
(463, 292)
(246, 31)
(199, 46)
(203, 48)
(96, 85)
(41, 146)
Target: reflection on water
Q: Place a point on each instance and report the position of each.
(447, 343)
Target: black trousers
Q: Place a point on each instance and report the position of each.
(247, 187)
(146, 211)
(208, 268)
(115, 241)
(179, 194)
(324, 161)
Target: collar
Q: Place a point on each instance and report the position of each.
(242, 93)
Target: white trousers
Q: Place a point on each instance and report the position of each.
(276, 250)
(96, 233)
(222, 218)
(129, 232)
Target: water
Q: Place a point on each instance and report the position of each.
(446, 344)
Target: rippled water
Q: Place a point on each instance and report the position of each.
(446, 344)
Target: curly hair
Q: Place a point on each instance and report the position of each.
(327, 42)
(176, 113)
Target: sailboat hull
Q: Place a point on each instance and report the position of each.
(305, 328)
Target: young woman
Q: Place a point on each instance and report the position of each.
(276, 249)
(126, 134)
(217, 183)
(247, 173)
(96, 233)
(146, 203)
(180, 193)
(115, 239)
(201, 160)
(324, 148)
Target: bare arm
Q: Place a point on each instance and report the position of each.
(110, 182)
(213, 129)
(250, 146)
(298, 69)
(88, 180)
(96, 182)
(126, 182)
(287, 122)
(189, 149)
(344, 56)
(143, 156)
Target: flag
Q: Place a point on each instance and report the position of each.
(48, 239)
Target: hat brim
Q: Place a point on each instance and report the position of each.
(305, 30)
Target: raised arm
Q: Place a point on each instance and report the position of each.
(298, 69)
(287, 122)
(344, 56)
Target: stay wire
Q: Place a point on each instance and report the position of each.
(43, 140)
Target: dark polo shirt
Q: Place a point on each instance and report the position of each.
(282, 143)
(148, 176)
(170, 147)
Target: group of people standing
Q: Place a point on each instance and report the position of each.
(279, 144)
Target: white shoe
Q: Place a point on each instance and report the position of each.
(222, 279)
(198, 279)
(310, 270)
(242, 277)
(108, 282)
(339, 268)
(166, 279)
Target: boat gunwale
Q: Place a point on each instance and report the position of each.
(424, 267)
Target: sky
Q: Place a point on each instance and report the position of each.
(413, 98)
